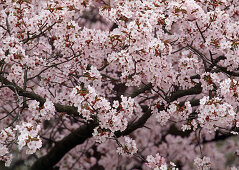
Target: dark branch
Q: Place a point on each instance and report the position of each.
(136, 125)
(197, 89)
(75, 138)
(59, 108)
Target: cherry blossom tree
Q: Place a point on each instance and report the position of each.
(119, 84)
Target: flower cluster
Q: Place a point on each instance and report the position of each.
(111, 118)
(229, 90)
(202, 163)
(214, 113)
(156, 162)
(29, 137)
(128, 148)
(191, 124)
(7, 137)
(101, 135)
(4, 155)
(175, 111)
(209, 80)
(44, 112)
(162, 117)
(189, 66)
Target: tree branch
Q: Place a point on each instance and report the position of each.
(70, 110)
(75, 138)
(197, 89)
